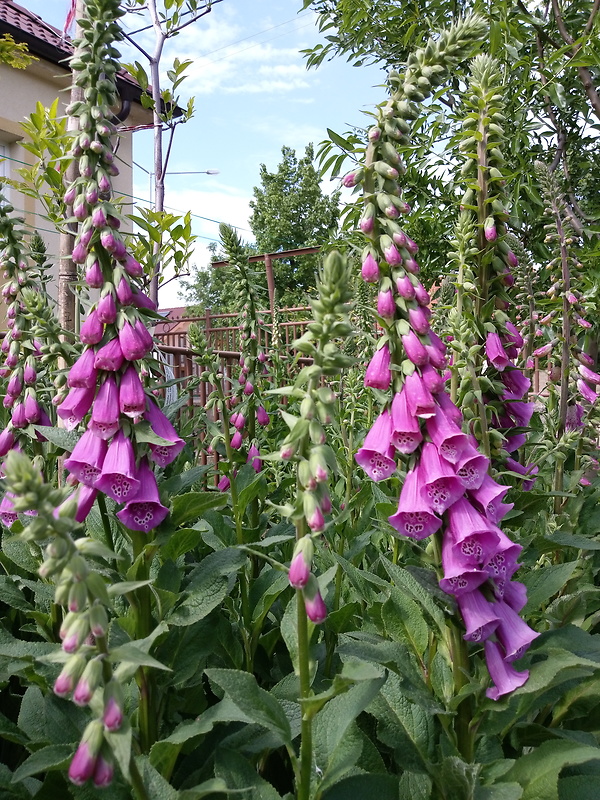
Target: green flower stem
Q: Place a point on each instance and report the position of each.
(105, 521)
(303, 788)
(137, 782)
(485, 434)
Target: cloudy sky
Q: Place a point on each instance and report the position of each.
(253, 96)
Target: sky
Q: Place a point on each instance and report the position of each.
(253, 95)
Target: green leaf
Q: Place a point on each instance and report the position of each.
(144, 433)
(179, 543)
(206, 789)
(241, 777)
(55, 756)
(501, 791)
(156, 786)
(339, 140)
(265, 590)
(59, 436)
(124, 587)
(404, 622)
(538, 772)
(120, 744)
(208, 587)
(382, 787)
(256, 703)
(12, 595)
(544, 583)
(193, 504)
(405, 582)
(134, 655)
(184, 480)
(250, 485)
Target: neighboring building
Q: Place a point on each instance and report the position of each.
(44, 80)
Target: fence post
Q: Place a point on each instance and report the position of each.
(270, 282)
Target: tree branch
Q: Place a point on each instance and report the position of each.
(585, 76)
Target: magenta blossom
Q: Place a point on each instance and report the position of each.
(439, 485)
(85, 462)
(83, 374)
(133, 344)
(85, 500)
(504, 675)
(75, 406)
(386, 305)
(448, 437)
(118, 479)
(495, 352)
(586, 391)
(261, 416)
(107, 309)
(488, 498)
(419, 399)
(471, 467)
(414, 516)
(132, 397)
(376, 456)
(254, 458)
(92, 329)
(378, 374)
(478, 616)
(406, 431)
(105, 412)
(109, 357)
(370, 269)
(163, 454)
(144, 511)
(415, 350)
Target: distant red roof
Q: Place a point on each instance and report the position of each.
(47, 42)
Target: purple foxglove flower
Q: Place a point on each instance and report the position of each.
(63, 685)
(586, 391)
(450, 410)
(586, 359)
(529, 470)
(516, 383)
(104, 183)
(163, 454)
(352, 178)
(29, 375)
(15, 385)
(98, 217)
(406, 431)
(410, 265)
(85, 462)
(366, 224)
(145, 511)
(520, 412)
(515, 595)
(386, 305)
(32, 407)
(420, 401)
(12, 359)
(8, 515)
(422, 295)
(514, 634)
(91, 194)
(391, 255)
(460, 576)
(414, 349)
(105, 412)
(376, 456)
(378, 374)
(117, 479)
(530, 363)
(83, 374)
(447, 437)
(7, 441)
(254, 458)
(588, 374)
(70, 195)
(242, 379)
(237, 420)
(405, 288)
(18, 418)
(414, 517)
(583, 323)
(84, 761)
(113, 706)
(411, 245)
(132, 397)
(513, 335)
(124, 292)
(501, 566)
(399, 238)
(80, 254)
(261, 416)
(94, 277)
(471, 468)
(436, 358)
(132, 345)
(316, 609)
(75, 406)
(505, 676)
(478, 616)
(224, 484)
(489, 230)
(107, 309)
(418, 319)
(144, 334)
(432, 379)
(236, 440)
(515, 442)
(92, 329)
(542, 351)
(512, 259)
(495, 352)
(132, 267)
(80, 211)
(248, 388)
(440, 487)
(370, 269)
(574, 417)
(299, 572)
(109, 357)
(104, 771)
(488, 499)
(313, 512)
(471, 533)
(108, 240)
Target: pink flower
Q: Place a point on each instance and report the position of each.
(505, 676)
(75, 406)
(418, 319)
(83, 764)
(495, 352)
(117, 479)
(488, 498)
(132, 397)
(471, 468)
(83, 374)
(299, 572)
(163, 454)
(133, 342)
(107, 309)
(316, 609)
(378, 374)
(261, 416)
(85, 500)
(386, 306)
(406, 430)
(144, 511)
(105, 412)
(478, 616)
(447, 437)
(586, 391)
(370, 269)
(85, 462)
(376, 456)
(109, 357)
(415, 350)
(419, 398)
(92, 329)
(439, 485)
(254, 458)
(414, 516)
(405, 287)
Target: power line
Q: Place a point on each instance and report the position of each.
(252, 35)
(252, 46)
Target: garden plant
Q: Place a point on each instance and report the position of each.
(368, 565)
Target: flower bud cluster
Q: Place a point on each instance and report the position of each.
(21, 349)
(82, 593)
(447, 486)
(108, 380)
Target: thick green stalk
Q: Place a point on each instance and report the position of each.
(303, 787)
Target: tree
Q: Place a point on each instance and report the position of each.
(290, 210)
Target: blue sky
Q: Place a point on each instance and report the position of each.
(253, 95)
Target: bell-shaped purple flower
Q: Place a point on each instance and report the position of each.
(378, 374)
(526, 470)
(513, 335)
(18, 418)
(386, 305)
(495, 352)
(517, 384)
(224, 484)
(439, 485)
(586, 391)
(93, 276)
(420, 401)
(163, 454)
(92, 329)
(391, 254)
(124, 293)
(478, 616)
(488, 499)
(109, 357)
(107, 309)
(132, 397)
(144, 511)
(316, 610)
(104, 770)
(575, 414)
(414, 349)
(422, 296)
(261, 416)
(85, 462)
(133, 268)
(515, 442)
(418, 319)
(15, 384)
(502, 564)
(504, 675)
(520, 412)
(132, 345)
(406, 431)
(460, 576)
(83, 374)
(254, 458)
(118, 479)
(514, 634)
(376, 456)
(370, 269)
(7, 441)
(8, 515)
(414, 516)
(84, 761)
(472, 534)
(405, 287)
(515, 595)
(432, 379)
(105, 412)
(471, 467)
(32, 407)
(86, 496)
(447, 437)
(75, 406)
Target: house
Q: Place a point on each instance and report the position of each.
(44, 80)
